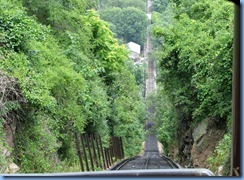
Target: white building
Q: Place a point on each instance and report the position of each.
(135, 51)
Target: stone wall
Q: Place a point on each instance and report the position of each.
(8, 146)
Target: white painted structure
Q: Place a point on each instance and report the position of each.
(135, 50)
(149, 16)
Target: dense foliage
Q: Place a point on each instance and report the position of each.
(219, 157)
(195, 47)
(139, 4)
(66, 72)
(127, 19)
(159, 5)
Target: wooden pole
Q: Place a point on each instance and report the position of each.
(94, 150)
(84, 151)
(89, 151)
(78, 151)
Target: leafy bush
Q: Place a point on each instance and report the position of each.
(71, 71)
(16, 27)
(194, 42)
(221, 153)
(166, 119)
(200, 77)
(128, 111)
(129, 23)
(37, 145)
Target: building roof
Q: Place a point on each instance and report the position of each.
(134, 47)
(149, 16)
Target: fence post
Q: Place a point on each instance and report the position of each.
(106, 157)
(103, 155)
(84, 151)
(119, 148)
(99, 156)
(114, 147)
(89, 150)
(112, 155)
(94, 150)
(98, 151)
(122, 149)
(109, 156)
(111, 149)
(78, 151)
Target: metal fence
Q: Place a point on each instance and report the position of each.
(92, 155)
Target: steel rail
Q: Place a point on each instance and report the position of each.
(122, 163)
(120, 166)
(171, 162)
(158, 164)
(147, 162)
(136, 164)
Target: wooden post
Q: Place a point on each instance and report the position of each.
(106, 157)
(98, 151)
(103, 156)
(89, 151)
(114, 147)
(118, 148)
(94, 150)
(122, 149)
(78, 151)
(110, 155)
(84, 151)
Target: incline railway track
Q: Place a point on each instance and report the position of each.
(151, 158)
(150, 162)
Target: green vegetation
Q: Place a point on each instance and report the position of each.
(194, 42)
(159, 5)
(219, 157)
(127, 19)
(62, 70)
(166, 118)
(68, 73)
(139, 4)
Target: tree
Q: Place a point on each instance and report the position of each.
(60, 62)
(139, 4)
(131, 25)
(111, 16)
(159, 5)
(128, 19)
(195, 64)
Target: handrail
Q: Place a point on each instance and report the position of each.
(126, 173)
